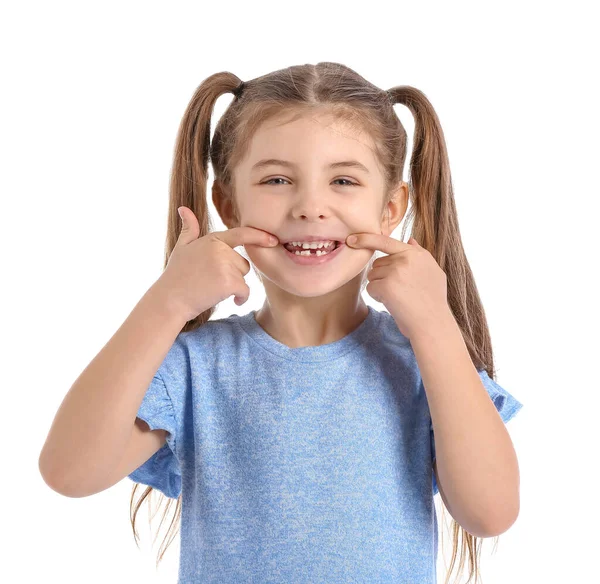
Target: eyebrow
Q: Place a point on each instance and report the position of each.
(343, 163)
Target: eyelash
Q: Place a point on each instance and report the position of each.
(352, 184)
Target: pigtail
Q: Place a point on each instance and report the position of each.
(189, 173)
(435, 223)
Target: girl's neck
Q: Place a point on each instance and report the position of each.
(297, 326)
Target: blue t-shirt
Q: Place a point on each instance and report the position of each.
(303, 465)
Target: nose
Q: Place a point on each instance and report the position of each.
(310, 205)
(308, 216)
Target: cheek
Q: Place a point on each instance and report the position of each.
(260, 211)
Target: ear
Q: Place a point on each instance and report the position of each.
(395, 210)
(223, 204)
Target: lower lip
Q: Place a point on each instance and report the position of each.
(311, 260)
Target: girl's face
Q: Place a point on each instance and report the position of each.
(310, 198)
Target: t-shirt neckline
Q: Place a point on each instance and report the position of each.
(325, 352)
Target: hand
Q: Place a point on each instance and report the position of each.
(203, 271)
(408, 281)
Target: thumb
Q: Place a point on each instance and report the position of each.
(414, 242)
(190, 229)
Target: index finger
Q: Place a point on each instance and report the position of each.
(378, 242)
(246, 235)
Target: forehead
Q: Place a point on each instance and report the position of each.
(310, 138)
(311, 124)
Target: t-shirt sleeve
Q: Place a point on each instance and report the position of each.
(506, 404)
(162, 470)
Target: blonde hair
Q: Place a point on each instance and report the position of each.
(339, 90)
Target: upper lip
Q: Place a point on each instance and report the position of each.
(310, 238)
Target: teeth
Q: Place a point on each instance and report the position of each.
(308, 253)
(312, 245)
(325, 246)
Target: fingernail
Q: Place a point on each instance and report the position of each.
(352, 239)
(273, 240)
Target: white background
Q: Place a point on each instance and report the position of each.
(91, 101)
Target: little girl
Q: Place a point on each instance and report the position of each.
(300, 440)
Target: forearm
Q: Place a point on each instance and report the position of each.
(477, 466)
(95, 420)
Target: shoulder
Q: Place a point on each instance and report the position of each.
(220, 335)
(216, 328)
(389, 332)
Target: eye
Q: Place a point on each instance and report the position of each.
(350, 183)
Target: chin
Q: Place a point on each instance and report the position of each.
(306, 290)
(307, 287)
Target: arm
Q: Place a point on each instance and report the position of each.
(94, 424)
(476, 465)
